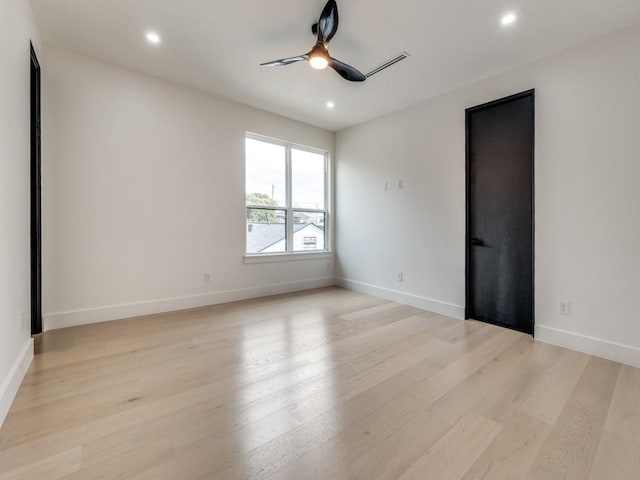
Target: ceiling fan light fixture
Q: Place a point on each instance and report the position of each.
(319, 62)
(318, 57)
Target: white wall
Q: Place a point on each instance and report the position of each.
(17, 27)
(587, 197)
(144, 193)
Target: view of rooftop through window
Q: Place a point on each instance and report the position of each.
(285, 198)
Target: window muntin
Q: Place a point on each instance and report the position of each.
(286, 191)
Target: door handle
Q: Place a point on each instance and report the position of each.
(476, 242)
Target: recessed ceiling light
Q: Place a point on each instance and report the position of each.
(330, 104)
(508, 19)
(153, 38)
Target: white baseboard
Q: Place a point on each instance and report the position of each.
(11, 384)
(454, 311)
(592, 346)
(54, 321)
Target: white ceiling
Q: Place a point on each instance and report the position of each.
(217, 46)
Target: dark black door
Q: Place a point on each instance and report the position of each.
(36, 229)
(500, 151)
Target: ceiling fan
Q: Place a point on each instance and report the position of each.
(318, 57)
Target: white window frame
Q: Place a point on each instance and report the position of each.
(289, 254)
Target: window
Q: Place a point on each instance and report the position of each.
(286, 190)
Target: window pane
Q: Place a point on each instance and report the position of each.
(308, 231)
(307, 183)
(266, 230)
(265, 173)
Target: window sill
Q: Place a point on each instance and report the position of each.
(287, 257)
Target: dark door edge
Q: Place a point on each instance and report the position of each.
(35, 194)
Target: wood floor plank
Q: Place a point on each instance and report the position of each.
(548, 398)
(316, 402)
(513, 451)
(322, 421)
(126, 464)
(67, 412)
(346, 455)
(322, 424)
(325, 384)
(207, 393)
(617, 455)
(470, 391)
(500, 403)
(569, 452)
(253, 320)
(200, 351)
(458, 348)
(210, 461)
(345, 387)
(462, 331)
(351, 409)
(52, 467)
(456, 451)
(448, 377)
(337, 454)
(393, 455)
(623, 418)
(617, 458)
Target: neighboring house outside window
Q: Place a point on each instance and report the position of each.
(309, 243)
(286, 191)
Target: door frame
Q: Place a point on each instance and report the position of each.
(467, 279)
(36, 194)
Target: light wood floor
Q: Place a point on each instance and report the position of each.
(328, 384)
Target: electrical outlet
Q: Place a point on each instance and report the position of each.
(207, 277)
(400, 276)
(563, 307)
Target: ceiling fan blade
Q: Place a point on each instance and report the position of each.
(285, 61)
(347, 71)
(328, 23)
